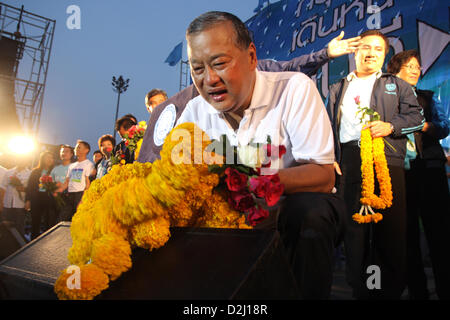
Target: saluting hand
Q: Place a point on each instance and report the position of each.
(338, 47)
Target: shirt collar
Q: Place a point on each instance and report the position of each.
(351, 76)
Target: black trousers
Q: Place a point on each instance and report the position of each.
(428, 199)
(382, 244)
(73, 199)
(310, 226)
(43, 214)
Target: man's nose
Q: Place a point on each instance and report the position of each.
(211, 76)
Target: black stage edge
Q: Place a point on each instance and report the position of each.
(195, 264)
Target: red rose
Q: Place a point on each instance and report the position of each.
(241, 201)
(271, 148)
(258, 185)
(122, 156)
(235, 180)
(273, 193)
(281, 151)
(257, 215)
(126, 143)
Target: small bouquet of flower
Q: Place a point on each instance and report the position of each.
(15, 182)
(134, 137)
(47, 183)
(249, 190)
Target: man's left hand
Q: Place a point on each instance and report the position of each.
(338, 47)
(379, 128)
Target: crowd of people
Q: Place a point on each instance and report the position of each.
(236, 94)
(24, 190)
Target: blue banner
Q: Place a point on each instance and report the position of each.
(175, 55)
(290, 28)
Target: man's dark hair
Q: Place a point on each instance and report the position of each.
(97, 151)
(155, 92)
(84, 143)
(106, 137)
(129, 115)
(376, 32)
(400, 59)
(211, 18)
(126, 121)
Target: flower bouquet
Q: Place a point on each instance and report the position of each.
(47, 183)
(249, 190)
(134, 137)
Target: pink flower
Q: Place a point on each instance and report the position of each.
(258, 185)
(241, 201)
(273, 193)
(257, 215)
(271, 148)
(357, 100)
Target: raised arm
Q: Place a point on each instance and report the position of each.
(310, 63)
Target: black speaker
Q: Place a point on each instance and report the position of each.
(8, 55)
(10, 240)
(196, 263)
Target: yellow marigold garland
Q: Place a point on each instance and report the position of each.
(372, 153)
(93, 281)
(135, 204)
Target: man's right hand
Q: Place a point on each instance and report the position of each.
(28, 205)
(338, 47)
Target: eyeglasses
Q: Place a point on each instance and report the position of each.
(411, 67)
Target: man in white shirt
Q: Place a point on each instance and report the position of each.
(14, 195)
(247, 105)
(77, 179)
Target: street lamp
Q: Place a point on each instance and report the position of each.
(120, 86)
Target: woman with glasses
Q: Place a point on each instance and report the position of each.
(426, 186)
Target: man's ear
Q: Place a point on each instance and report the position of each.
(252, 55)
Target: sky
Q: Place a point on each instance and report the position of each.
(131, 38)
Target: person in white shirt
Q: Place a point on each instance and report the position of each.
(13, 201)
(77, 179)
(247, 105)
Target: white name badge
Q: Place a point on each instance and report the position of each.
(164, 124)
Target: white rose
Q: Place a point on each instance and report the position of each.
(250, 156)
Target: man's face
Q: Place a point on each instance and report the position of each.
(81, 150)
(222, 72)
(154, 101)
(122, 131)
(369, 57)
(410, 71)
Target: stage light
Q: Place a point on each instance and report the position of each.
(21, 145)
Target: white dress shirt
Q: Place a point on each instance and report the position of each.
(284, 105)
